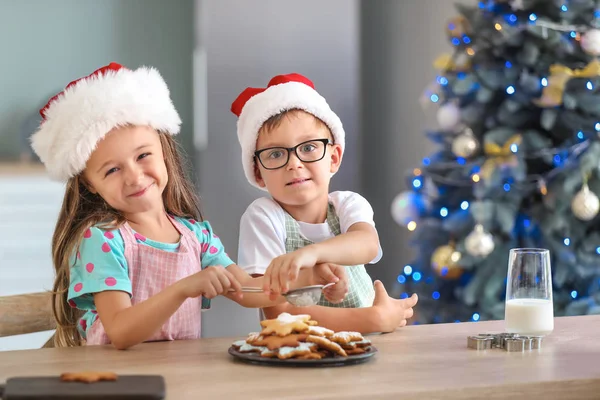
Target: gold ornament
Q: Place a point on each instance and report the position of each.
(444, 261)
(458, 27)
(585, 205)
(559, 76)
(460, 63)
(499, 156)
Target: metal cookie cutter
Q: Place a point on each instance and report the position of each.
(496, 338)
(503, 337)
(480, 342)
(517, 344)
(536, 342)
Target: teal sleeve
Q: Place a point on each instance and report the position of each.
(212, 250)
(98, 265)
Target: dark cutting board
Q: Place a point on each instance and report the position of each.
(126, 387)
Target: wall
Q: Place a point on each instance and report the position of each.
(45, 45)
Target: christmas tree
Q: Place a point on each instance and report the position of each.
(517, 162)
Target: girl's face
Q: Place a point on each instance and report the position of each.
(298, 183)
(128, 170)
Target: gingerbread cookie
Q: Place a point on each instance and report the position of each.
(348, 346)
(327, 344)
(276, 342)
(253, 337)
(243, 347)
(346, 337)
(319, 331)
(362, 343)
(285, 324)
(88, 376)
(269, 353)
(353, 345)
(291, 352)
(355, 351)
(310, 356)
(324, 353)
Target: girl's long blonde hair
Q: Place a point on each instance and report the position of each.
(82, 209)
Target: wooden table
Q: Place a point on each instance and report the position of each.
(417, 362)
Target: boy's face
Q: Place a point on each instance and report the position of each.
(298, 182)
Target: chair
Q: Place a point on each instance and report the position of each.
(27, 313)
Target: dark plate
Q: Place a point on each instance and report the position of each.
(336, 361)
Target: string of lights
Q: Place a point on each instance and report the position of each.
(562, 163)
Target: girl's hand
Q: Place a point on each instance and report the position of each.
(332, 273)
(285, 269)
(210, 282)
(392, 313)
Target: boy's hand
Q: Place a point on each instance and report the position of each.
(393, 313)
(210, 283)
(332, 273)
(285, 269)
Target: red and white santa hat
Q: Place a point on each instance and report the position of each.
(254, 106)
(76, 119)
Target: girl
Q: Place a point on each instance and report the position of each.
(130, 247)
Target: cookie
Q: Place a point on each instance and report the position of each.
(312, 322)
(269, 353)
(88, 376)
(310, 356)
(353, 345)
(275, 342)
(362, 343)
(327, 344)
(348, 346)
(285, 324)
(301, 350)
(346, 337)
(355, 351)
(252, 337)
(243, 347)
(319, 331)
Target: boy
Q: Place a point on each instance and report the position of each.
(292, 143)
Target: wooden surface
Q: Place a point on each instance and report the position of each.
(26, 313)
(417, 362)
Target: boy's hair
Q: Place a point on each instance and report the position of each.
(81, 210)
(275, 121)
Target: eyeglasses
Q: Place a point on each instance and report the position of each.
(278, 157)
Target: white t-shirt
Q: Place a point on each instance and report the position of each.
(262, 228)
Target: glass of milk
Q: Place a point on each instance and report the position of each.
(529, 308)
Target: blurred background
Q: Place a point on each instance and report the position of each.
(370, 59)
